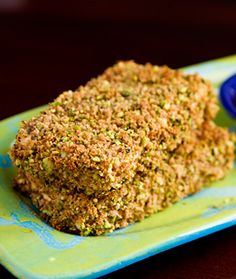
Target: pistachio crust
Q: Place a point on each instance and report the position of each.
(129, 143)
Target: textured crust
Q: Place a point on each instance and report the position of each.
(127, 144)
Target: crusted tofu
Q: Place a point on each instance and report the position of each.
(129, 143)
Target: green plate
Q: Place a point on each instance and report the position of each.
(29, 248)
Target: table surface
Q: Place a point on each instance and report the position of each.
(47, 49)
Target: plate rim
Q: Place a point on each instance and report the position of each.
(202, 231)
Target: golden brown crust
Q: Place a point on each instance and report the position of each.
(127, 144)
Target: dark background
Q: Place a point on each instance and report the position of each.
(50, 46)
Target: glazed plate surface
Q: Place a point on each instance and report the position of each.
(29, 248)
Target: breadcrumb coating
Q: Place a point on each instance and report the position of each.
(129, 143)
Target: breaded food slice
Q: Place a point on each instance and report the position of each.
(127, 144)
(92, 140)
(204, 157)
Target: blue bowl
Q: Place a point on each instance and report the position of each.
(228, 95)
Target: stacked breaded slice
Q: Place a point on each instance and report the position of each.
(129, 143)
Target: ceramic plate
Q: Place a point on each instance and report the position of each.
(29, 248)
